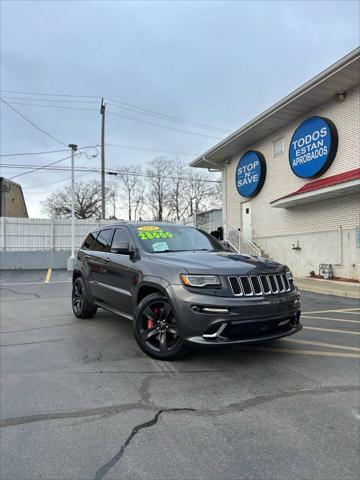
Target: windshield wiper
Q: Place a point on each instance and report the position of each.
(186, 250)
(171, 251)
(202, 250)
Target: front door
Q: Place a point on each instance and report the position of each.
(246, 220)
(120, 271)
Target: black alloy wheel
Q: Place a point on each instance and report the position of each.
(156, 329)
(82, 308)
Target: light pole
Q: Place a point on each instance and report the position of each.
(102, 113)
(71, 260)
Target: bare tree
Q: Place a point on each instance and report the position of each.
(131, 183)
(139, 203)
(159, 187)
(177, 190)
(202, 193)
(87, 201)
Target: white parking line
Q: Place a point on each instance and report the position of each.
(341, 310)
(332, 319)
(320, 344)
(315, 353)
(33, 283)
(348, 332)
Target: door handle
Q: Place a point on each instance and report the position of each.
(107, 259)
(87, 257)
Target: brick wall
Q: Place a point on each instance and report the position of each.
(327, 215)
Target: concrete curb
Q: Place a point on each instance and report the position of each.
(329, 287)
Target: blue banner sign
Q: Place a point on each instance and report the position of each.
(250, 173)
(313, 147)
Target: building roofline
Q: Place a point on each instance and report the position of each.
(219, 151)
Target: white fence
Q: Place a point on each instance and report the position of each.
(33, 234)
(39, 234)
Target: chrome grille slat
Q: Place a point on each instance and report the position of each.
(265, 284)
(286, 282)
(246, 286)
(235, 286)
(259, 285)
(255, 282)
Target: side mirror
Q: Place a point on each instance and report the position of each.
(122, 248)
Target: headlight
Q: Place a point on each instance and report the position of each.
(200, 280)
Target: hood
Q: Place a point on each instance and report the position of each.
(220, 263)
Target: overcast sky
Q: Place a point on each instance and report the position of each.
(214, 63)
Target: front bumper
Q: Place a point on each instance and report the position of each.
(234, 320)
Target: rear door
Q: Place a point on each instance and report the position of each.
(97, 265)
(86, 253)
(120, 273)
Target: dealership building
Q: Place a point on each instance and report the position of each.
(291, 176)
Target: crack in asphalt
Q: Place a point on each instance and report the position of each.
(31, 343)
(144, 404)
(103, 470)
(42, 328)
(236, 407)
(36, 295)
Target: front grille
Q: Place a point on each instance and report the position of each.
(257, 285)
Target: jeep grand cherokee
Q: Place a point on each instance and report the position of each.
(181, 286)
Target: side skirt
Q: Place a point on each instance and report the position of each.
(114, 310)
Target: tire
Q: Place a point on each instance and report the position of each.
(155, 328)
(81, 306)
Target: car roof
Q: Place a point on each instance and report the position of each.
(139, 224)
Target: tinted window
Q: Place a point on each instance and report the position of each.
(90, 241)
(103, 240)
(121, 235)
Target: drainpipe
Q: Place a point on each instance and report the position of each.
(224, 201)
(339, 247)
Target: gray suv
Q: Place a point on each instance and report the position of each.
(181, 286)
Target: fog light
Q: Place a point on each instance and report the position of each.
(215, 310)
(199, 308)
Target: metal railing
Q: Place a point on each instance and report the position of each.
(234, 236)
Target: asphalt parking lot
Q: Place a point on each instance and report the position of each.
(79, 400)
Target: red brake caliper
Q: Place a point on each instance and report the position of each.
(149, 322)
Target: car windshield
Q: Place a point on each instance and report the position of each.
(175, 238)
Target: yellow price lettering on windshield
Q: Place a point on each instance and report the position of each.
(148, 228)
(150, 235)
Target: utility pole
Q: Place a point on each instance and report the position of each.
(71, 260)
(102, 113)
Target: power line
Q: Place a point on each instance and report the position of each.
(97, 170)
(117, 115)
(126, 106)
(50, 94)
(62, 107)
(32, 123)
(32, 153)
(33, 187)
(43, 153)
(49, 100)
(133, 108)
(163, 126)
(148, 149)
(46, 166)
(40, 168)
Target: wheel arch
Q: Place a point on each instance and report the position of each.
(149, 286)
(76, 274)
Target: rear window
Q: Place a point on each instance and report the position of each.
(103, 240)
(90, 241)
